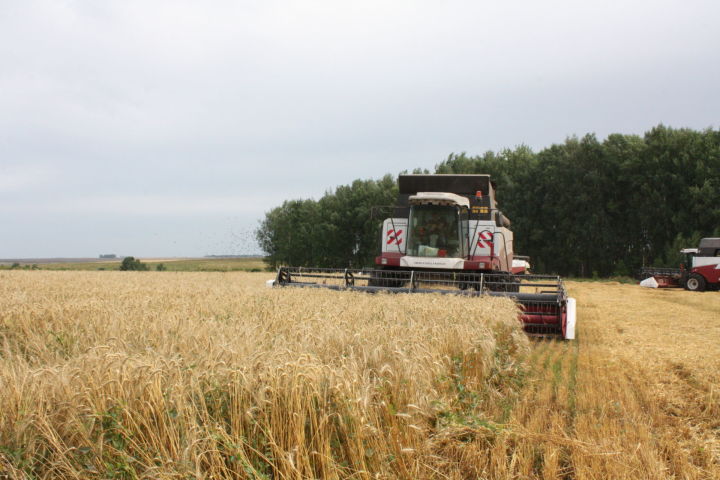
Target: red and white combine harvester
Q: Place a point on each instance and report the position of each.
(446, 235)
(700, 272)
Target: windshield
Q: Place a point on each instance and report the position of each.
(434, 231)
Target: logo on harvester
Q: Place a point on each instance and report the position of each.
(485, 240)
(394, 236)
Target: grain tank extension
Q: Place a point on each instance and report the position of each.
(447, 235)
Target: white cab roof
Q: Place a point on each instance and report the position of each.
(438, 198)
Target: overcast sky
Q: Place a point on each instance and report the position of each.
(168, 128)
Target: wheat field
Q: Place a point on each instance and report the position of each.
(211, 375)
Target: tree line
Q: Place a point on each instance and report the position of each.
(583, 207)
(341, 229)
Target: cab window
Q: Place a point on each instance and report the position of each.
(435, 231)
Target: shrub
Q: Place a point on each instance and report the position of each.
(132, 263)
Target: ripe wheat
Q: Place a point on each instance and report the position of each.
(197, 375)
(162, 375)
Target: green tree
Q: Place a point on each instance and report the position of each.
(341, 229)
(580, 207)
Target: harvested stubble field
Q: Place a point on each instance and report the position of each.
(210, 375)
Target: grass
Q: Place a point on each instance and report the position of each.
(201, 375)
(624, 279)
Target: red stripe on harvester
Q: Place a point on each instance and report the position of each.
(394, 238)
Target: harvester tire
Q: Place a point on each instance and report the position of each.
(469, 282)
(374, 281)
(395, 283)
(504, 283)
(379, 280)
(695, 283)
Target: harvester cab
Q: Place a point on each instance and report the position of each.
(446, 222)
(437, 225)
(447, 235)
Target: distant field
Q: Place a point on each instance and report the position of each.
(244, 264)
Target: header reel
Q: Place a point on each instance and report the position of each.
(544, 306)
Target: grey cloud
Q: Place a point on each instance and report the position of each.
(121, 104)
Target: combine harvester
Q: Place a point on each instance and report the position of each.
(702, 272)
(447, 236)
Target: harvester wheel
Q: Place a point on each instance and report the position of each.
(374, 280)
(505, 283)
(386, 279)
(395, 283)
(469, 282)
(695, 283)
